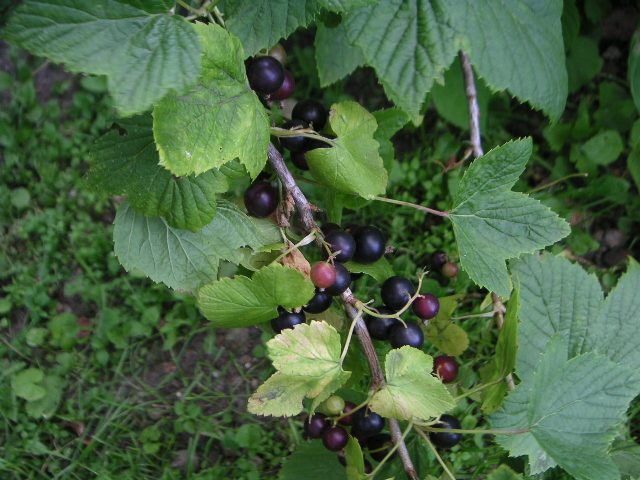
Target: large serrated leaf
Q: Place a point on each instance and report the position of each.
(127, 163)
(142, 48)
(408, 42)
(242, 301)
(411, 390)
(557, 297)
(261, 23)
(332, 67)
(499, 34)
(312, 461)
(307, 358)
(492, 224)
(219, 119)
(181, 259)
(353, 164)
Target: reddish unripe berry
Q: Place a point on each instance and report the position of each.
(315, 426)
(323, 274)
(426, 306)
(335, 438)
(287, 87)
(446, 368)
(348, 420)
(450, 269)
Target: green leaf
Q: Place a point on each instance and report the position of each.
(633, 70)
(181, 259)
(411, 390)
(307, 358)
(355, 460)
(46, 406)
(408, 42)
(448, 337)
(312, 461)
(633, 165)
(583, 62)
(260, 24)
(127, 163)
(627, 459)
(217, 120)
(556, 298)
(613, 332)
(571, 409)
(344, 5)
(499, 34)
(604, 148)
(242, 301)
(380, 270)
(451, 100)
(27, 384)
(492, 224)
(144, 50)
(507, 346)
(390, 120)
(64, 330)
(503, 472)
(332, 67)
(353, 165)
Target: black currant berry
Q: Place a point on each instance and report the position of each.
(410, 335)
(370, 245)
(396, 292)
(343, 280)
(378, 327)
(287, 87)
(379, 445)
(341, 241)
(311, 112)
(446, 368)
(323, 274)
(335, 438)
(287, 320)
(327, 228)
(320, 302)
(446, 439)
(265, 74)
(366, 423)
(261, 199)
(426, 306)
(299, 160)
(348, 420)
(294, 144)
(438, 259)
(315, 426)
(450, 270)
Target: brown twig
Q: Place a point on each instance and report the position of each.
(306, 212)
(476, 144)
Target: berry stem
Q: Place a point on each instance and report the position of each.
(306, 212)
(396, 315)
(476, 144)
(422, 208)
(360, 406)
(349, 335)
(477, 389)
(425, 437)
(403, 435)
(475, 431)
(301, 132)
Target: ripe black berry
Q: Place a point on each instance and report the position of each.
(379, 328)
(318, 303)
(348, 420)
(323, 274)
(311, 112)
(299, 161)
(446, 439)
(341, 241)
(294, 144)
(335, 438)
(327, 228)
(343, 280)
(438, 259)
(261, 199)
(446, 368)
(287, 87)
(410, 335)
(287, 320)
(379, 445)
(370, 245)
(450, 269)
(426, 306)
(315, 426)
(396, 292)
(366, 423)
(265, 74)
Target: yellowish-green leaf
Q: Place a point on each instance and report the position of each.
(449, 338)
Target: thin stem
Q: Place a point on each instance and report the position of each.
(306, 213)
(305, 241)
(474, 315)
(422, 208)
(184, 4)
(391, 451)
(555, 182)
(399, 313)
(476, 431)
(301, 132)
(425, 437)
(360, 406)
(477, 389)
(349, 335)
